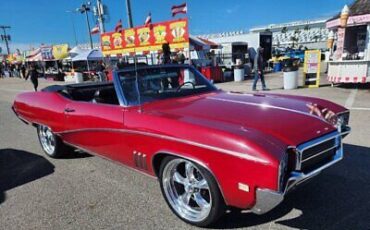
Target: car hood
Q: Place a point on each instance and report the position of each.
(284, 118)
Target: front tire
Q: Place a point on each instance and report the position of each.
(52, 145)
(191, 191)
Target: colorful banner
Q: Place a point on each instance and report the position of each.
(145, 39)
(60, 51)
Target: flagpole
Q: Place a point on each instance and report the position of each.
(100, 9)
(89, 30)
(129, 14)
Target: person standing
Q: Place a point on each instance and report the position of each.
(33, 75)
(100, 71)
(258, 69)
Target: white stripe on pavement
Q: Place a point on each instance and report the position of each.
(351, 99)
(15, 90)
(360, 108)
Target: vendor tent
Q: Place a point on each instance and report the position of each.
(75, 51)
(198, 44)
(88, 55)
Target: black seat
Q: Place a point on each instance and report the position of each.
(105, 96)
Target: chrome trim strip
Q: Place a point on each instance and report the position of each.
(119, 91)
(301, 148)
(318, 141)
(190, 159)
(343, 112)
(319, 153)
(267, 106)
(161, 136)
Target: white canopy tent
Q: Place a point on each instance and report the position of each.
(86, 55)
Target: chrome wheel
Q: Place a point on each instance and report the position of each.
(187, 190)
(47, 139)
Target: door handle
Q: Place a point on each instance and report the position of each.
(68, 110)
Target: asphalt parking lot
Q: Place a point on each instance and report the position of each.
(86, 192)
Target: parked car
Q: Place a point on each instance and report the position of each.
(209, 149)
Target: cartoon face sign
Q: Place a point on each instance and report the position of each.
(106, 42)
(160, 34)
(178, 31)
(144, 35)
(130, 37)
(117, 40)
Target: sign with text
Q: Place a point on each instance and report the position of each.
(311, 70)
(147, 38)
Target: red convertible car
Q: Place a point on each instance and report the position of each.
(209, 149)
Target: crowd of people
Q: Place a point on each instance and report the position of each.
(12, 70)
(21, 71)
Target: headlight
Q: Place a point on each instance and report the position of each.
(283, 168)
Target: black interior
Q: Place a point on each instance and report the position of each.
(103, 93)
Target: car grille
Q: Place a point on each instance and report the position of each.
(318, 154)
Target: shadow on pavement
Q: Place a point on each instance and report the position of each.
(19, 167)
(75, 154)
(360, 86)
(339, 198)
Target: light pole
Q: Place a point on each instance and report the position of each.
(85, 8)
(100, 14)
(129, 14)
(73, 26)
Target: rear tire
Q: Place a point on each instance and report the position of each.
(52, 145)
(191, 191)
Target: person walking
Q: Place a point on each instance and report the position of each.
(23, 71)
(1, 70)
(258, 70)
(33, 75)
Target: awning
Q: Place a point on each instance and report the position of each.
(213, 45)
(88, 55)
(198, 44)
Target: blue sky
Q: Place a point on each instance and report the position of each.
(46, 21)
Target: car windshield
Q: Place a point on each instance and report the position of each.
(158, 83)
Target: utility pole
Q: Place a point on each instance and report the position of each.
(129, 14)
(6, 37)
(100, 14)
(85, 8)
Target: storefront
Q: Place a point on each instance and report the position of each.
(349, 41)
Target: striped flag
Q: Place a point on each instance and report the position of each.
(95, 29)
(179, 9)
(148, 20)
(118, 27)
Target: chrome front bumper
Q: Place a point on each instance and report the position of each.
(267, 199)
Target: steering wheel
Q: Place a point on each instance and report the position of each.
(185, 83)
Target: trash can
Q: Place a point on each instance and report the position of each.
(239, 71)
(78, 77)
(290, 74)
(277, 66)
